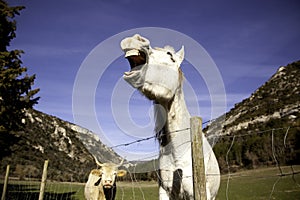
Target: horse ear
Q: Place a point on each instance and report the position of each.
(180, 54)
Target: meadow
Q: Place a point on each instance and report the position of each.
(251, 184)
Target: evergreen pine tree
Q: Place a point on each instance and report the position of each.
(16, 94)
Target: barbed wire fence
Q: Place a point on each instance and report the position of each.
(283, 170)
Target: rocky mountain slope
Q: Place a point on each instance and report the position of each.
(68, 148)
(273, 106)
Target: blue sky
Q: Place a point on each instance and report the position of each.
(247, 40)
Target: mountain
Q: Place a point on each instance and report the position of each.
(68, 148)
(271, 111)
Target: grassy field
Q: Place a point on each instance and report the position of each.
(261, 184)
(246, 185)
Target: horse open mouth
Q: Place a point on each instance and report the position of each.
(135, 58)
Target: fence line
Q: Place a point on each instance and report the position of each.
(250, 133)
(145, 139)
(208, 137)
(273, 149)
(42, 185)
(233, 137)
(228, 167)
(234, 140)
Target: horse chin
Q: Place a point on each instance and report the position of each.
(157, 92)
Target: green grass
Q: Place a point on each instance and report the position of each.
(137, 191)
(246, 185)
(125, 190)
(259, 184)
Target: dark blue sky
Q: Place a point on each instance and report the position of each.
(248, 41)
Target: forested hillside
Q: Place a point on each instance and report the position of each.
(264, 126)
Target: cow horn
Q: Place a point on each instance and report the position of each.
(121, 163)
(97, 162)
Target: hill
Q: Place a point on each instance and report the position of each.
(273, 109)
(68, 148)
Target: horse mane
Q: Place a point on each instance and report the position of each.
(181, 77)
(163, 134)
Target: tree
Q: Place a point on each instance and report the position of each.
(16, 94)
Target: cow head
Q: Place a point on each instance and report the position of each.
(109, 172)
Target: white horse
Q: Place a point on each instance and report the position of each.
(156, 73)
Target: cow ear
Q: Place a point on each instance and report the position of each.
(121, 173)
(96, 172)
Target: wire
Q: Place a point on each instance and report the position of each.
(148, 138)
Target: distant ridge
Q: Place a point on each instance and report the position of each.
(274, 105)
(67, 146)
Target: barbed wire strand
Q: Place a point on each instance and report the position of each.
(293, 172)
(132, 177)
(285, 136)
(277, 164)
(133, 142)
(208, 137)
(274, 153)
(148, 138)
(228, 167)
(273, 188)
(140, 187)
(122, 192)
(249, 133)
(293, 176)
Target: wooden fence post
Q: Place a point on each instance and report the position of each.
(199, 180)
(5, 183)
(44, 178)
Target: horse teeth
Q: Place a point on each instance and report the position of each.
(128, 73)
(132, 52)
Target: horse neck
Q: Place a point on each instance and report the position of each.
(178, 115)
(173, 115)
